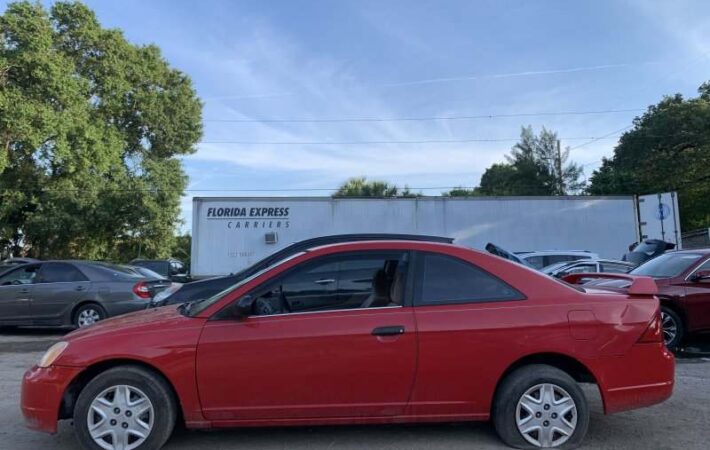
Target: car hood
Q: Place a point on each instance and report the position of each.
(127, 323)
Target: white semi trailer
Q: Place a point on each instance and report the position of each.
(231, 233)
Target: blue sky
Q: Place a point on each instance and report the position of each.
(294, 59)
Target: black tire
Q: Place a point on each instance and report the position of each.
(88, 307)
(154, 387)
(518, 383)
(670, 319)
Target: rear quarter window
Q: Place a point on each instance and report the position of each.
(443, 279)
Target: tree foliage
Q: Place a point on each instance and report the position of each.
(668, 149)
(362, 187)
(533, 167)
(91, 128)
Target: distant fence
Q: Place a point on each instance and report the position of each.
(697, 238)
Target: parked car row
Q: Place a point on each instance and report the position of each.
(683, 281)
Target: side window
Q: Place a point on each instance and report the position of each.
(536, 261)
(552, 259)
(582, 268)
(445, 279)
(615, 268)
(23, 275)
(60, 273)
(348, 281)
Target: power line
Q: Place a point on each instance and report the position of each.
(606, 136)
(424, 118)
(424, 141)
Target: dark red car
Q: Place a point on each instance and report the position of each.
(367, 332)
(683, 280)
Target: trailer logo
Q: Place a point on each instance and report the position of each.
(664, 211)
(251, 218)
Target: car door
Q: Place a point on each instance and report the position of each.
(16, 286)
(697, 299)
(464, 316)
(59, 287)
(328, 363)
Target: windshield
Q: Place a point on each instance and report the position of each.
(554, 267)
(118, 272)
(200, 305)
(149, 273)
(647, 247)
(667, 265)
(160, 267)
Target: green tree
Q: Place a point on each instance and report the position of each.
(362, 187)
(91, 128)
(182, 247)
(668, 149)
(535, 166)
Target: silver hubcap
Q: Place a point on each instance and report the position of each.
(670, 328)
(546, 415)
(120, 418)
(88, 317)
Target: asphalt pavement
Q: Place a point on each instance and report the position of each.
(682, 422)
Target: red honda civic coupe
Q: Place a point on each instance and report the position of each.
(362, 333)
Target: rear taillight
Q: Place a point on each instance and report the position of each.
(141, 289)
(654, 331)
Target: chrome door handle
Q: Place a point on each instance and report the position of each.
(325, 281)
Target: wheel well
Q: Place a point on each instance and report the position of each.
(578, 371)
(83, 303)
(71, 394)
(668, 303)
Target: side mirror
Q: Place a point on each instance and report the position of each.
(244, 306)
(701, 276)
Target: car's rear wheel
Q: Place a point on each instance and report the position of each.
(540, 406)
(673, 328)
(88, 314)
(125, 408)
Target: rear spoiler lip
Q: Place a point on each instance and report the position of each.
(640, 285)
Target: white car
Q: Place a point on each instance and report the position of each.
(561, 269)
(544, 258)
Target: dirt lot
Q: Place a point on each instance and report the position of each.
(680, 423)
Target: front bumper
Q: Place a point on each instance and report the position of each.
(643, 377)
(42, 391)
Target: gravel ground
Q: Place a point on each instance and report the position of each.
(680, 423)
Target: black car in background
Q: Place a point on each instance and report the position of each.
(648, 249)
(207, 288)
(172, 269)
(70, 293)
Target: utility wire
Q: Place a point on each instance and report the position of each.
(590, 139)
(424, 118)
(606, 136)
(423, 141)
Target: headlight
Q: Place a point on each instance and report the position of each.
(53, 353)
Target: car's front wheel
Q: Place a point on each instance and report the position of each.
(540, 406)
(125, 408)
(673, 328)
(88, 314)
